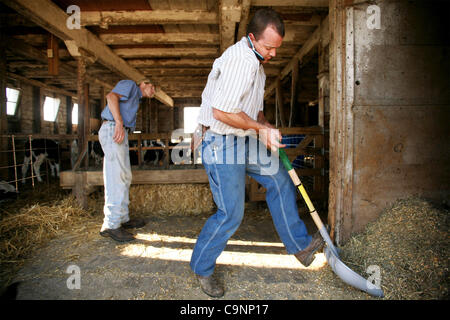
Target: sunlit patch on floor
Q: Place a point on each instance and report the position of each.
(248, 259)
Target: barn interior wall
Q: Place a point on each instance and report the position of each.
(22, 122)
(398, 141)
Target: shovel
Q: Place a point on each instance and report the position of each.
(331, 252)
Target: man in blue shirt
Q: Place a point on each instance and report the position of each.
(119, 118)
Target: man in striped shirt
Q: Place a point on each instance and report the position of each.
(237, 140)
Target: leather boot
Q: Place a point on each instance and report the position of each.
(210, 286)
(134, 223)
(306, 256)
(118, 234)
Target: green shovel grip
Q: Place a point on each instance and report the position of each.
(284, 158)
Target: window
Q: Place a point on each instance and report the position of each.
(51, 106)
(190, 118)
(75, 113)
(12, 97)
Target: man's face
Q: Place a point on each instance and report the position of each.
(147, 89)
(268, 43)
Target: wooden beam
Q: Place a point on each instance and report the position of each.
(182, 62)
(279, 97)
(166, 38)
(166, 52)
(229, 14)
(294, 81)
(52, 55)
(69, 106)
(37, 109)
(31, 52)
(50, 17)
(40, 84)
(242, 31)
(290, 3)
(95, 178)
(144, 17)
(3, 108)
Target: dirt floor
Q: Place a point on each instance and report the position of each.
(254, 265)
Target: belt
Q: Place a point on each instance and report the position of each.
(128, 129)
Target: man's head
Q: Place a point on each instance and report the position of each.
(147, 89)
(266, 31)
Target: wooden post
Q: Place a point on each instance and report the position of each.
(52, 55)
(86, 120)
(37, 109)
(69, 115)
(279, 97)
(293, 90)
(3, 104)
(83, 106)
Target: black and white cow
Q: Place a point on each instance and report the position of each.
(154, 156)
(148, 156)
(95, 152)
(41, 150)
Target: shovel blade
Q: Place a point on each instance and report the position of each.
(349, 276)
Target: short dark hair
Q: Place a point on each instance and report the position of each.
(264, 18)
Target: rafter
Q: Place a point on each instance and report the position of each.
(50, 17)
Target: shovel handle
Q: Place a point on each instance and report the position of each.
(296, 180)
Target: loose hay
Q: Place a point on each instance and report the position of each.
(410, 243)
(24, 227)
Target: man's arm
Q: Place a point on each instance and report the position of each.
(268, 135)
(113, 104)
(262, 119)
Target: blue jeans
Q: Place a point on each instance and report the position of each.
(116, 177)
(227, 160)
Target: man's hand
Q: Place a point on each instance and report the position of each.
(119, 133)
(271, 137)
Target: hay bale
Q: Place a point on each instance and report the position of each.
(171, 199)
(168, 199)
(410, 243)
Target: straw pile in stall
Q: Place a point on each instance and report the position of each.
(33, 220)
(410, 243)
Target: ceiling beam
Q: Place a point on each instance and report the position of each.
(174, 62)
(166, 52)
(289, 3)
(24, 49)
(50, 17)
(152, 38)
(145, 17)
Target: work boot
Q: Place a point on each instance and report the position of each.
(118, 234)
(210, 286)
(306, 256)
(134, 223)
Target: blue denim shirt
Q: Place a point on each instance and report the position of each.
(128, 103)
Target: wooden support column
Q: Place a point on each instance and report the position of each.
(279, 101)
(294, 82)
(69, 114)
(324, 76)
(3, 104)
(37, 109)
(52, 55)
(79, 190)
